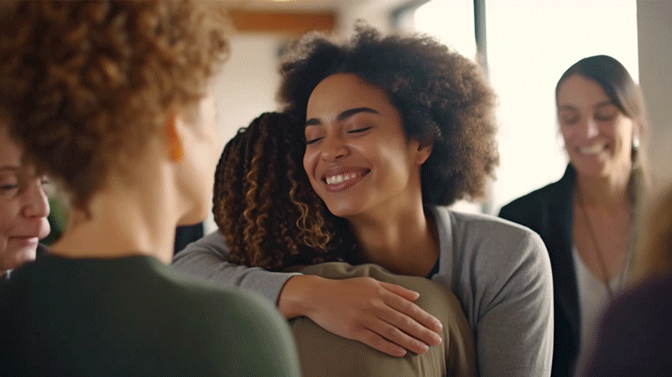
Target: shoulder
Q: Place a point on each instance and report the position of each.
(540, 199)
(469, 227)
(490, 245)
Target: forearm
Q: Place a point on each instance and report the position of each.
(207, 258)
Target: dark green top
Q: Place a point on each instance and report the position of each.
(134, 316)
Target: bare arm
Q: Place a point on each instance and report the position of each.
(378, 314)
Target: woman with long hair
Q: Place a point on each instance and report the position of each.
(270, 217)
(585, 218)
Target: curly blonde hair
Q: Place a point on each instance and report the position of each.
(264, 205)
(85, 84)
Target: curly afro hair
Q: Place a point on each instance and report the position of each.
(85, 84)
(264, 205)
(443, 98)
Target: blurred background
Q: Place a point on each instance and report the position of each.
(524, 45)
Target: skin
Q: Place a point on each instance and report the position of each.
(362, 164)
(598, 138)
(179, 185)
(24, 207)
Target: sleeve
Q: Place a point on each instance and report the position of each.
(207, 258)
(514, 332)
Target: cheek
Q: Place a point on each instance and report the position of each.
(8, 217)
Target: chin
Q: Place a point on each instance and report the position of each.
(193, 217)
(17, 257)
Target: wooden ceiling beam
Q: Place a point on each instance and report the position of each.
(259, 21)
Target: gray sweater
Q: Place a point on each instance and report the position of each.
(499, 271)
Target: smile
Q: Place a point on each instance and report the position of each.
(340, 178)
(595, 149)
(344, 180)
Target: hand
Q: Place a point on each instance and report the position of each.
(378, 314)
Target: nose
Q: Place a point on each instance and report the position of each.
(590, 128)
(333, 148)
(35, 201)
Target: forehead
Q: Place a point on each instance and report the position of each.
(581, 92)
(344, 91)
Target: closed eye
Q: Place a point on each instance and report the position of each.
(312, 141)
(360, 130)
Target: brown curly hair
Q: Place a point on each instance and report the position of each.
(443, 98)
(264, 205)
(85, 84)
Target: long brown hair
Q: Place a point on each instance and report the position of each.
(264, 205)
(654, 248)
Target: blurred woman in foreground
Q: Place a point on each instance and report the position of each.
(111, 99)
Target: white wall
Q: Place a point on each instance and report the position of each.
(654, 18)
(247, 85)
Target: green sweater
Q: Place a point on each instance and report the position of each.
(134, 316)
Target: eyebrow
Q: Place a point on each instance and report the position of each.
(10, 168)
(600, 104)
(344, 115)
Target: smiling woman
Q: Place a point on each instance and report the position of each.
(23, 207)
(586, 217)
(395, 129)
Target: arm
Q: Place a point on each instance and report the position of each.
(515, 329)
(378, 314)
(207, 258)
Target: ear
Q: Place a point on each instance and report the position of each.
(173, 139)
(423, 152)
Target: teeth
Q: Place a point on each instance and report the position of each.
(595, 149)
(340, 178)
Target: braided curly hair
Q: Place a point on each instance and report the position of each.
(264, 205)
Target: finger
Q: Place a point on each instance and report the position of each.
(401, 291)
(374, 340)
(412, 320)
(394, 335)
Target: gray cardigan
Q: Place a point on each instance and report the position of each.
(499, 271)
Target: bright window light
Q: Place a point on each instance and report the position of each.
(451, 21)
(530, 44)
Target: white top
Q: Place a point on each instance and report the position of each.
(593, 298)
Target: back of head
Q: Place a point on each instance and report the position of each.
(443, 98)
(86, 84)
(263, 202)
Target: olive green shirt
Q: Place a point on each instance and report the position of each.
(135, 316)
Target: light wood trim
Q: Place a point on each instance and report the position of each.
(249, 21)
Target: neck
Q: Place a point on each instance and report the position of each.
(404, 241)
(125, 220)
(604, 191)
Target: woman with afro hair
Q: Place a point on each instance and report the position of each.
(396, 128)
(271, 217)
